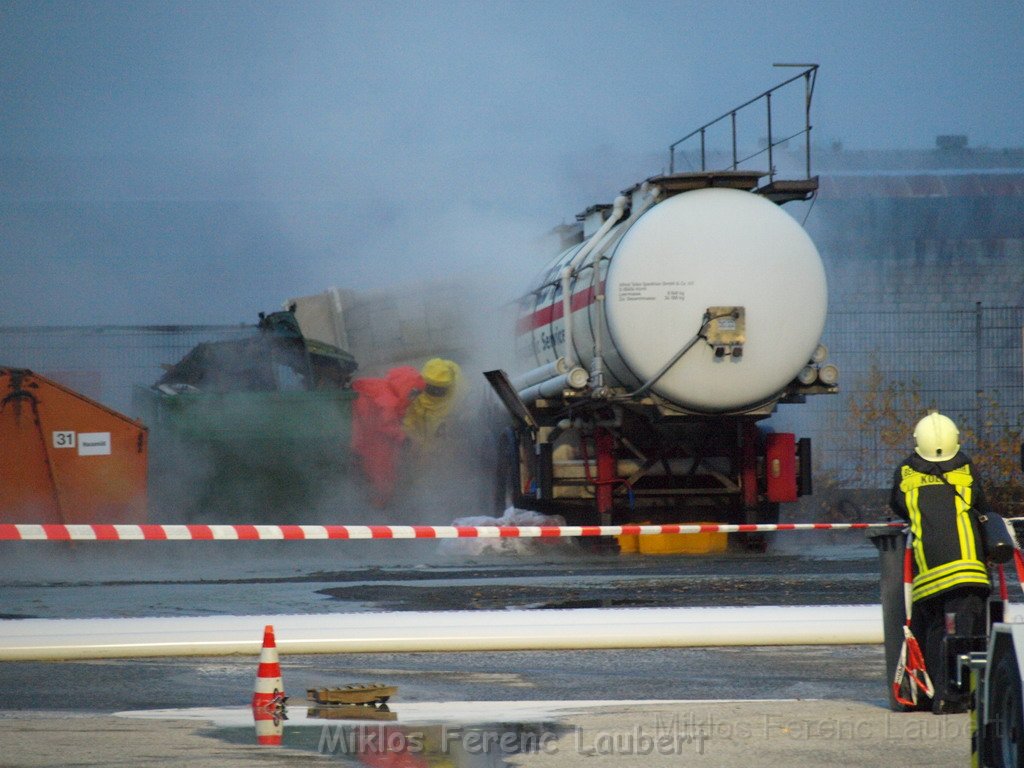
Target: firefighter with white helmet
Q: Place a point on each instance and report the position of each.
(936, 490)
(936, 437)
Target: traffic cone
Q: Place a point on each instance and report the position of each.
(269, 689)
(269, 722)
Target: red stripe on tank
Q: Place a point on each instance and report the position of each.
(552, 312)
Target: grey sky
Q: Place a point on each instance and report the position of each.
(180, 162)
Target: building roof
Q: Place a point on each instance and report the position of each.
(921, 185)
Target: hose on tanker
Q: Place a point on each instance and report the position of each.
(701, 334)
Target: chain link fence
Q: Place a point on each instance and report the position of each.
(105, 363)
(966, 363)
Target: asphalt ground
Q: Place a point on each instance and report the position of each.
(53, 580)
(809, 705)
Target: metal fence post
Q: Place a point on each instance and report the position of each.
(977, 371)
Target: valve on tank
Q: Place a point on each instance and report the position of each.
(726, 330)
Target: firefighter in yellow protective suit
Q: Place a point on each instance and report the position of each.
(430, 412)
(935, 490)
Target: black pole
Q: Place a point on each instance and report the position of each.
(891, 546)
(545, 471)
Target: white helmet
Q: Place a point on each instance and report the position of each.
(937, 437)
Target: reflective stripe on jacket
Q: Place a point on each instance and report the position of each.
(946, 543)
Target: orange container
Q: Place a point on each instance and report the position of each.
(65, 458)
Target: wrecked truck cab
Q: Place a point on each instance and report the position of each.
(254, 429)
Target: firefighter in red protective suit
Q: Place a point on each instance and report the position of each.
(377, 432)
(935, 490)
(404, 405)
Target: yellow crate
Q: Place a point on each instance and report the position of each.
(629, 543)
(683, 543)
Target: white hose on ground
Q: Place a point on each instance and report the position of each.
(445, 631)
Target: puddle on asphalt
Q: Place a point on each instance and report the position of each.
(388, 743)
(618, 602)
(468, 734)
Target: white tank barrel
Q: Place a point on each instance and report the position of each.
(728, 251)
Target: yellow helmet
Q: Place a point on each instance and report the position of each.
(936, 437)
(440, 373)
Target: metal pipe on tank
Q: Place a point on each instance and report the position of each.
(618, 208)
(576, 378)
(542, 373)
(651, 193)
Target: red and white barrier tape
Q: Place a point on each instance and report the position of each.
(155, 532)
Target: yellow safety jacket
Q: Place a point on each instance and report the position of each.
(946, 544)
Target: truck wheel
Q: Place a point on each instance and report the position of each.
(1003, 734)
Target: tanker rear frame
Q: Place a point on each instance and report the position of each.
(629, 459)
(623, 457)
(633, 457)
(608, 464)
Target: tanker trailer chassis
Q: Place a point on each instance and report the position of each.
(608, 463)
(650, 349)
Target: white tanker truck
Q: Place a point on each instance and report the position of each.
(676, 320)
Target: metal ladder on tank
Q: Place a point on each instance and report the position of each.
(730, 171)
